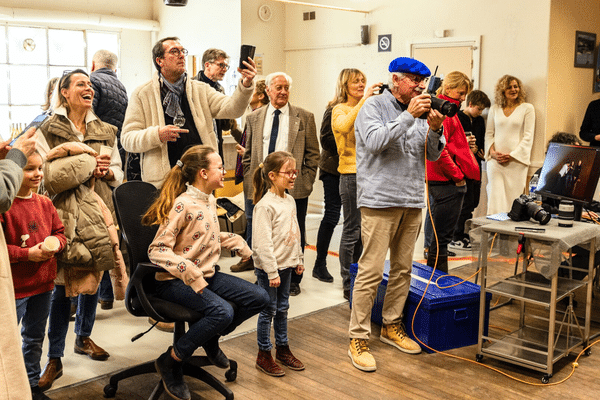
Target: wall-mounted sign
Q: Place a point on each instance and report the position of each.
(384, 43)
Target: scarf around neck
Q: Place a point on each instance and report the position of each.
(172, 100)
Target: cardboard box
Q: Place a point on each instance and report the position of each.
(446, 319)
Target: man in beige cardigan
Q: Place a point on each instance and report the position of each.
(172, 112)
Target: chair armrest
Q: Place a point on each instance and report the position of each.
(142, 271)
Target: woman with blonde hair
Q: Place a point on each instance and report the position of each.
(508, 142)
(351, 94)
(447, 177)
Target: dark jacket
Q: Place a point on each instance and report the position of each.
(110, 101)
(590, 127)
(221, 124)
(329, 155)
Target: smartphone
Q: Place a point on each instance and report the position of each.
(37, 121)
(246, 51)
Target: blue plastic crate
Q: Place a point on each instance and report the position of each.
(446, 319)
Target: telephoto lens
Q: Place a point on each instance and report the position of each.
(566, 213)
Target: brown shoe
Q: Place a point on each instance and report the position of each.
(243, 266)
(286, 357)
(91, 349)
(266, 364)
(52, 371)
(162, 326)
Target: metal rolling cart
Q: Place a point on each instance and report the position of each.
(531, 346)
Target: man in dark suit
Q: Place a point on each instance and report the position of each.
(296, 133)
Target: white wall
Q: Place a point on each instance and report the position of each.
(512, 43)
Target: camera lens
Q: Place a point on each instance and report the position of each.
(566, 214)
(445, 107)
(536, 212)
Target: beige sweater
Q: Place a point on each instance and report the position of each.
(145, 115)
(188, 245)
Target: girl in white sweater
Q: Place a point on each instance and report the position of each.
(277, 253)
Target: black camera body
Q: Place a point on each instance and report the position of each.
(524, 208)
(445, 107)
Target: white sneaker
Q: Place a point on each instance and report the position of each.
(464, 244)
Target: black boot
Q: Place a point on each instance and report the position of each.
(442, 262)
(320, 272)
(37, 394)
(215, 354)
(171, 373)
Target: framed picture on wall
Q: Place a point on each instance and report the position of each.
(585, 46)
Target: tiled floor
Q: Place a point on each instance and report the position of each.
(114, 328)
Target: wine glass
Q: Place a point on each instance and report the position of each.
(179, 120)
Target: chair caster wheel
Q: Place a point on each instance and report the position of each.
(110, 391)
(546, 378)
(479, 357)
(231, 373)
(588, 352)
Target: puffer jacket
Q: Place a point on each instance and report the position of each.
(89, 248)
(110, 101)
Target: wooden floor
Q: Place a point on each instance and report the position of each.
(320, 341)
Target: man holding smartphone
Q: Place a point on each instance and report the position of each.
(215, 64)
(170, 113)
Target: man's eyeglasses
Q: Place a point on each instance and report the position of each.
(292, 173)
(222, 66)
(416, 79)
(176, 52)
(222, 169)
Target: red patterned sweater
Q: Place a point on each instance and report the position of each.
(28, 222)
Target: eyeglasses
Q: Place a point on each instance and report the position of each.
(292, 173)
(222, 169)
(222, 65)
(416, 79)
(176, 52)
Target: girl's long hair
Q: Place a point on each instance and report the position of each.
(273, 162)
(194, 159)
(501, 87)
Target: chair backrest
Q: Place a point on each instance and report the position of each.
(131, 200)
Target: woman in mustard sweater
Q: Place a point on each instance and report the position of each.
(351, 95)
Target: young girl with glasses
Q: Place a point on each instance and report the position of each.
(277, 253)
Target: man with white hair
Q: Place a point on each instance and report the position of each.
(281, 126)
(391, 141)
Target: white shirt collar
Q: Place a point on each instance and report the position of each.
(89, 117)
(284, 110)
(196, 193)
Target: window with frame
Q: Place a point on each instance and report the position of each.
(32, 56)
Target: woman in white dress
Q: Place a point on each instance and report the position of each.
(508, 142)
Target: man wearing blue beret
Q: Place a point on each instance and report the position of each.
(392, 142)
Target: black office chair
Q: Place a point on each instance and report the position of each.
(131, 200)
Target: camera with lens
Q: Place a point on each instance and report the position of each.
(445, 107)
(525, 208)
(383, 87)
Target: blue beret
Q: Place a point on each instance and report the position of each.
(409, 66)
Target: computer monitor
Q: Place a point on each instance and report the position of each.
(570, 173)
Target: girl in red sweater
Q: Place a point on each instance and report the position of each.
(31, 219)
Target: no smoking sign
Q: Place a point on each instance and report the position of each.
(384, 43)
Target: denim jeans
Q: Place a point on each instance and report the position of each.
(60, 310)
(428, 229)
(105, 291)
(33, 313)
(219, 317)
(445, 209)
(350, 242)
(276, 310)
(333, 206)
